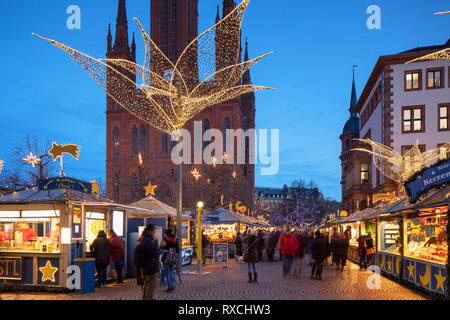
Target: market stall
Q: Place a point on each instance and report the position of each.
(161, 216)
(44, 230)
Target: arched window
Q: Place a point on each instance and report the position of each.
(226, 126)
(134, 140)
(206, 127)
(143, 140)
(164, 142)
(116, 143)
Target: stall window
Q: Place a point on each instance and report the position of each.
(30, 231)
(95, 221)
(390, 236)
(427, 238)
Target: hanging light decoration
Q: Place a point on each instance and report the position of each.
(33, 160)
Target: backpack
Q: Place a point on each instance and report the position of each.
(170, 258)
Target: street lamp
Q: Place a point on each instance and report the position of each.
(199, 236)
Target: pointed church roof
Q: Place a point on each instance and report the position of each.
(246, 79)
(121, 40)
(352, 124)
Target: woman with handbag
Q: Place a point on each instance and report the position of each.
(251, 254)
(370, 247)
(362, 252)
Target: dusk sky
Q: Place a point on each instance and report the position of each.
(315, 43)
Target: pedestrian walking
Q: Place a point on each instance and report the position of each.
(267, 245)
(300, 253)
(272, 246)
(117, 254)
(319, 251)
(288, 248)
(169, 258)
(362, 252)
(370, 247)
(101, 250)
(261, 244)
(238, 244)
(333, 255)
(251, 255)
(146, 257)
(341, 251)
(205, 244)
(276, 240)
(309, 241)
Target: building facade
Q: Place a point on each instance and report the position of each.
(401, 104)
(136, 152)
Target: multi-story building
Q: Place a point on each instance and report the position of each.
(138, 153)
(401, 104)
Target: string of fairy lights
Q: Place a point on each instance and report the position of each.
(167, 95)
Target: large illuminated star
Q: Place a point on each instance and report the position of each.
(48, 272)
(32, 159)
(150, 189)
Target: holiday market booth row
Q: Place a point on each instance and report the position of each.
(223, 225)
(411, 238)
(47, 229)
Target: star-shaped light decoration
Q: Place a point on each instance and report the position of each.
(400, 167)
(149, 189)
(225, 157)
(32, 159)
(196, 174)
(48, 272)
(208, 72)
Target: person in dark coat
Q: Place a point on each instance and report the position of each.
(169, 258)
(341, 251)
(205, 244)
(101, 250)
(300, 253)
(146, 257)
(261, 244)
(238, 244)
(272, 245)
(117, 254)
(370, 249)
(362, 252)
(319, 251)
(251, 254)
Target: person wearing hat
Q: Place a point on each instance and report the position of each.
(146, 257)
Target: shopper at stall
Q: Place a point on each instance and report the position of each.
(288, 248)
(117, 254)
(362, 252)
(341, 251)
(205, 244)
(169, 258)
(319, 251)
(146, 257)
(251, 255)
(260, 244)
(101, 250)
(238, 244)
(370, 247)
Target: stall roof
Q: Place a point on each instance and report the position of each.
(57, 196)
(224, 215)
(156, 207)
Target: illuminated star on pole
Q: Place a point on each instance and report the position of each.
(32, 159)
(196, 174)
(150, 189)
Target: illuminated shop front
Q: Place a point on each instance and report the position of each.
(43, 232)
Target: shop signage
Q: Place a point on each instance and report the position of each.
(76, 223)
(428, 178)
(11, 268)
(220, 252)
(65, 183)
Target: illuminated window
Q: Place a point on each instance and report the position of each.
(413, 119)
(364, 173)
(413, 80)
(116, 143)
(434, 78)
(443, 117)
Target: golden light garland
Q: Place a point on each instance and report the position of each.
(33, 160)
(207, 73)
(435, 56)
(401, 167)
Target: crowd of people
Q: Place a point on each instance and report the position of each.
(294, 247)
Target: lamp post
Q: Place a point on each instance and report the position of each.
(199, 236)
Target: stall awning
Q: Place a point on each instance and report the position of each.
(150, 207)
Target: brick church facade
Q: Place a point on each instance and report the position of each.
(138, 153)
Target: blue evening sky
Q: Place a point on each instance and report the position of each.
(315, 43)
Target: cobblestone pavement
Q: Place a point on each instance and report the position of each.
(231, 284)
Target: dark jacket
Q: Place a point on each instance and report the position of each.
(341, 247)
(117, 250)
(361, 247)
(238, 242)
(251, 252)
(101, 250)
(369, 243)
(146, 255)
(300, 246)
(319, 248)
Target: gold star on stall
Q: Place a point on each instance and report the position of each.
(150, 189)
(48, 272)
(390, 265)
(411, 271)
(440, 280)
